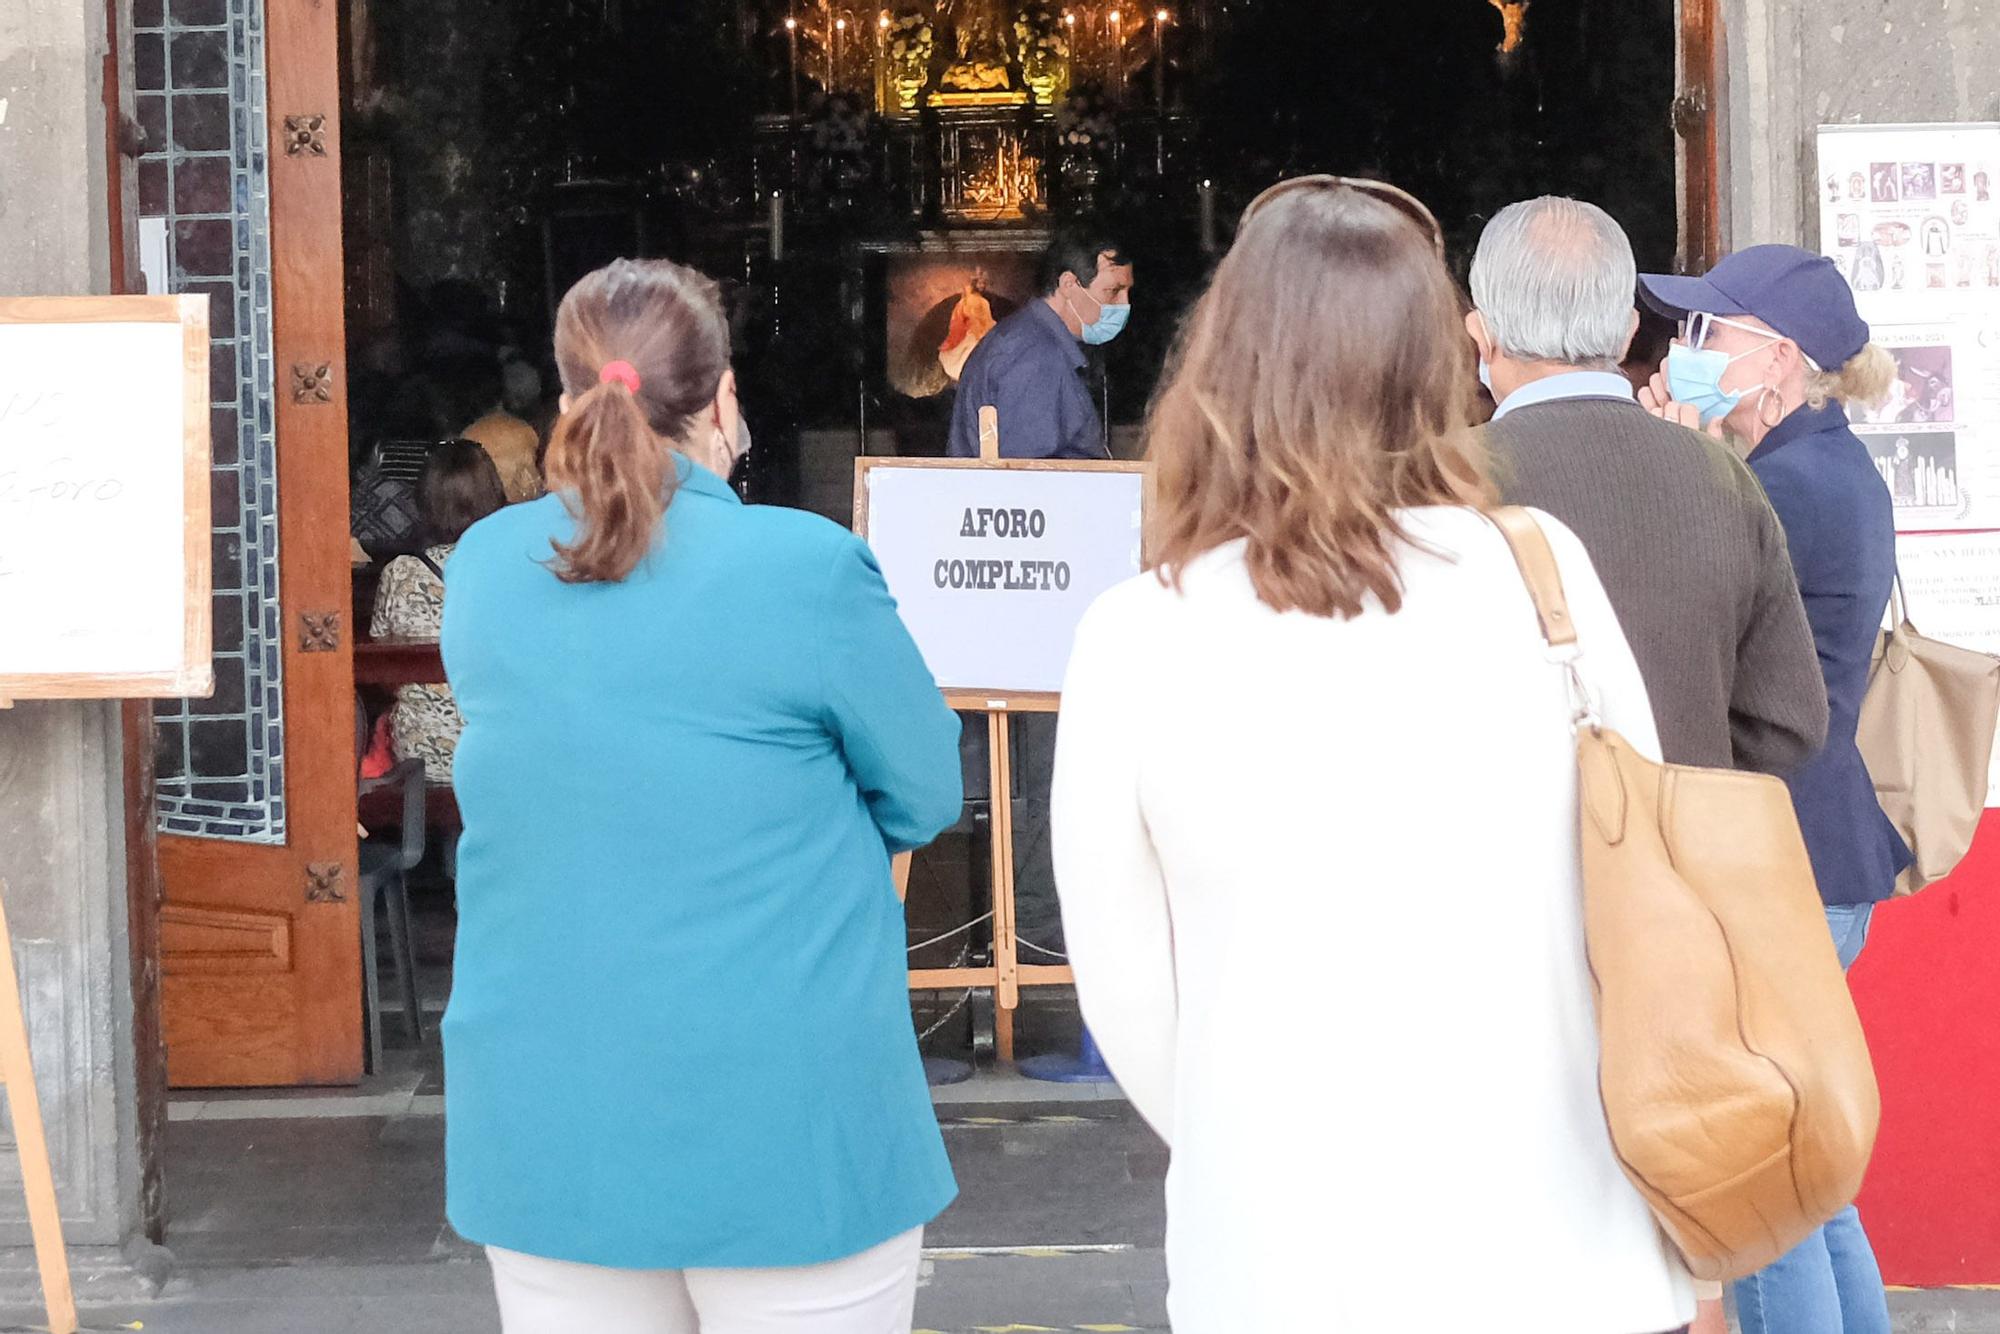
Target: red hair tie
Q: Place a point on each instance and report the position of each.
(620, 372)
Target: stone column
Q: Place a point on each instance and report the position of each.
(1794, 65)
(62, 801)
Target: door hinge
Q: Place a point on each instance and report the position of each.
(1687, 111)
(319, 632)
(326, 882)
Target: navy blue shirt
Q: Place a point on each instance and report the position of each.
(1030, 367)
(1840, 525)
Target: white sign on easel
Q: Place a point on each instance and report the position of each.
(993, 562)
(104, 575)
(104, 498)
(992, 566)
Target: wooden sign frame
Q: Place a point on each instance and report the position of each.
(1006, 975)
(195, 673)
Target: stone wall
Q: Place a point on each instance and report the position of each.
(61, 764)
(1794, 65)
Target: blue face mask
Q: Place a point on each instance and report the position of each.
(1485, 375)
(1110, 322)
(1695, 378)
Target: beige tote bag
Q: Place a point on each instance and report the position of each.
(1926, 735)
(1735, 1076)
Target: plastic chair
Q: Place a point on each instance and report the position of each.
(385, 869)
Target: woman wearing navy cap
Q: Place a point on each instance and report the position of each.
(1772, 347)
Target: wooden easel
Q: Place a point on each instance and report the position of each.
(1006, 975)
(31, 1143)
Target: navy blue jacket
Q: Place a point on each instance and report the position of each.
(1030, 367)
(1841, 528)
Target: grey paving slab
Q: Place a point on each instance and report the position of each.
(959, 1295)
(1106, 1293)
(314, 1225)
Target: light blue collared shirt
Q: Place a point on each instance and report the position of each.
(1569, 384)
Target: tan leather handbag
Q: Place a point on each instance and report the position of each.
(1735, 1077)
(1926, 735)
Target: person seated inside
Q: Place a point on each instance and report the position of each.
(508, 435)
(460, 486)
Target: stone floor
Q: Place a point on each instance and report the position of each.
(322, 1212)
(295, 1215)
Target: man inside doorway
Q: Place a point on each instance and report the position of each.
(1031, 367)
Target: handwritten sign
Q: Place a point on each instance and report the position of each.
(104, 513)
(993, 566)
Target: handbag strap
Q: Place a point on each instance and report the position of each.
(1543, 577)
(1539, 572)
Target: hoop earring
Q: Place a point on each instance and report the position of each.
(1763, 398)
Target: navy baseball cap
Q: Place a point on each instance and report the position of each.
(1801, 295)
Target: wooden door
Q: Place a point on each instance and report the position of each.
(260, 943)
(1697, 125)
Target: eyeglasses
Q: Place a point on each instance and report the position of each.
(1696, 328)
(1401, 200)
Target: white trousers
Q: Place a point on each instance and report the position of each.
(874, 1292)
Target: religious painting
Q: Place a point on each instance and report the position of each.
(940, 305)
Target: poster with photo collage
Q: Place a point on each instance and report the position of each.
(1911, 213)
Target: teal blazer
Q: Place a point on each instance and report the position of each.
(679, 1033)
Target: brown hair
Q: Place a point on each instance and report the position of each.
(612, 454)
(459, 487)
(1319, 386)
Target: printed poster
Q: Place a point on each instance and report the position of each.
(1911, 213)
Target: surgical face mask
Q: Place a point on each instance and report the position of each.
(742, 437)
(1110, 321)
(1694, 377)
(1485, 375)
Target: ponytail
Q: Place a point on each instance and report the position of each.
(643, 348)
(1864, 379)
(617, 477)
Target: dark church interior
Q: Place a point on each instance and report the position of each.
(871, 185)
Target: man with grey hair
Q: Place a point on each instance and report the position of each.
(1689, 550)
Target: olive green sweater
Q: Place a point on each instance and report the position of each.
(1694, 561)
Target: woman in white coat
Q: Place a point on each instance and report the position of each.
(1315, 825)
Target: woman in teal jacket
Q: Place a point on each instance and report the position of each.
(679, 1044)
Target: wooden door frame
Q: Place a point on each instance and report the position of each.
(284, 1006)
(309, 352)
(142, 848)
(1697, 118)
(303, 111)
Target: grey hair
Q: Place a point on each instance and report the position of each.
(1555, 280)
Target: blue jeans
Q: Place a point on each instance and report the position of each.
(1829, 1283)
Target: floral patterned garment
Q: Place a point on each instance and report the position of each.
(409, 604)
